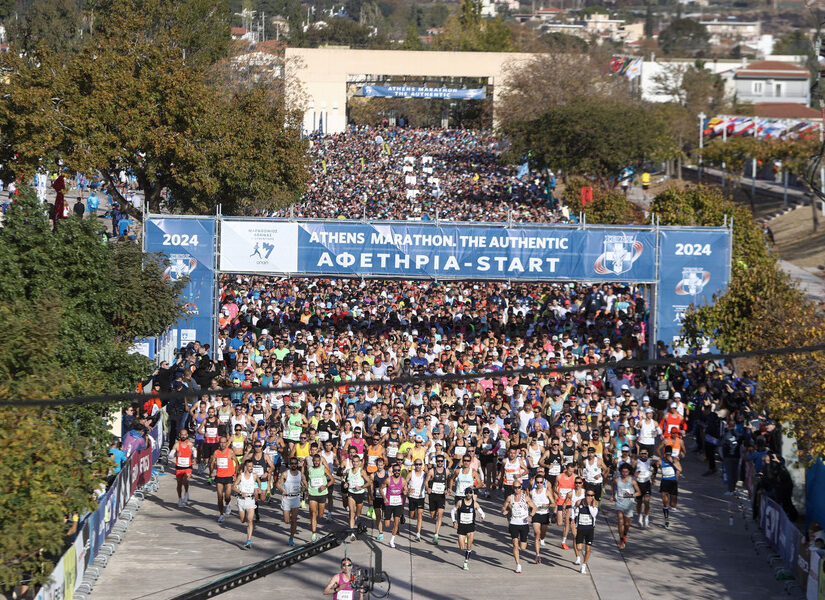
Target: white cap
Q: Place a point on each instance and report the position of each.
(264, 331)
(649, 410)
(645, 398)
(673, 405)
(625, 387)
(606, 340)
(677, 395)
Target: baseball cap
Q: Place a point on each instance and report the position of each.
(677, 395)
(673, 405)
(261, 422)
(418, 438)
(606, 340)
(625, 387)
(649, 410)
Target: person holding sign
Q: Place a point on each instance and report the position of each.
(340, 586)
(184, 454)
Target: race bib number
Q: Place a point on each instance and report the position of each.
(223, 463)
(184, 461)
(663, 395)
(542, 509)
(473, 429)
(465, 518)
(585, 519)
(371, 460)
(384, 430)
(438, 488)
(668, 472)
(323, 436)
(642, 476)
(392, 451)
(317, 482)
(237, 445)
(395, 500)
(487, 446)
(519, 513)
(555, 469)
(563, 492)
(343, 595)
(211, 432)
(258, 470)
(675, 453)
(460, 450)
(223, 418)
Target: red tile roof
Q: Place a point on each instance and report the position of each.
(785, 110)
(773, 68)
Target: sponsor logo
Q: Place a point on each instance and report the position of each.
(181, 265)
(694, 280)
(619, 253)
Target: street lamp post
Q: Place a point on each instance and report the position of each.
(701, 141)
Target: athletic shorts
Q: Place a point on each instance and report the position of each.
(584, 536)
(183, 472)
(393, 512)
(464, 529)
(649, 447)
(437, 501)
(416, 503)
(377, 502)
(319, 499)
(225, 480)
(644, 487)
(208, 450)
(669, 486)
(596, 488)
(519, 532)
(508, 490)
(290, 502)
(560, 508)
(358, 497)
(246, 504)
(541, 519)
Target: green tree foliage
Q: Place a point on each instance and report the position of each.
(563, 42)
(609, 207)
(796, 42)
(70, 308)
(54, 24)
(467, 31)
(343, 32)
(144, 94)
(592, 138)
(684, 37)
(761, 308)
(411, 39)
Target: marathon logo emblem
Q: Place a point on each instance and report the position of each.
(694, 280)
(181, 266)
(620, 252)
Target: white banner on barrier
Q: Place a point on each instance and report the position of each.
(262, 246)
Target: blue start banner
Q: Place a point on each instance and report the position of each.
(437, 251)
(694, 265)
(190, 245)
(408, 91)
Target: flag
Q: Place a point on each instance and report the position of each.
(634, 70)
(324, 166)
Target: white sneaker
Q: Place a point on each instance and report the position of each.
(220, 519)
(578, 560)
(647, 520)
(541, 542)
(392, 542)
(186, 498)
(180, 502)
(417, 537)
(227, 510)
(584, 569)
(518, 568)
(314, 536)
(641, 520)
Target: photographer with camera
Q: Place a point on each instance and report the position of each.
(341, 583)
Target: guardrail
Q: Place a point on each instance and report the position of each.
(100, 531)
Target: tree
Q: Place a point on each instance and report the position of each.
(55, 24)
(156, 110)
(684, 37)
(609, 207)
(411, 39)
(467, 31)
(70, 308)
(760, 309)
(650, 23)
(343, 32)
(796, 42)
(560, 76)
(591, 138)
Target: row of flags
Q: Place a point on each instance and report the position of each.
(626, 66)
(762, 128)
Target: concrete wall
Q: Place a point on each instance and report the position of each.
(320, 75)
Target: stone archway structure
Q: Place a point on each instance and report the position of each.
(322, 75)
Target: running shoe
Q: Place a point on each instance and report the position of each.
(180, 502)
(647, 521)
(435, 539)
(291, 542)
(303, 505)
(417, 537)
(578, 560)
(564, 546)
(186, 498)
(314, 536)
(392, 543)
(538, 559)
(466, 566)
(518, 568)
(227, 510)
(641, 520)
(248, 545)
(209, 479)
(584, 569)
(220, 519)
(541, 542)
(379, 537)
(667, 524)
(370, 513)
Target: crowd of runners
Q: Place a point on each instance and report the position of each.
(421, 173)
(549, 450)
